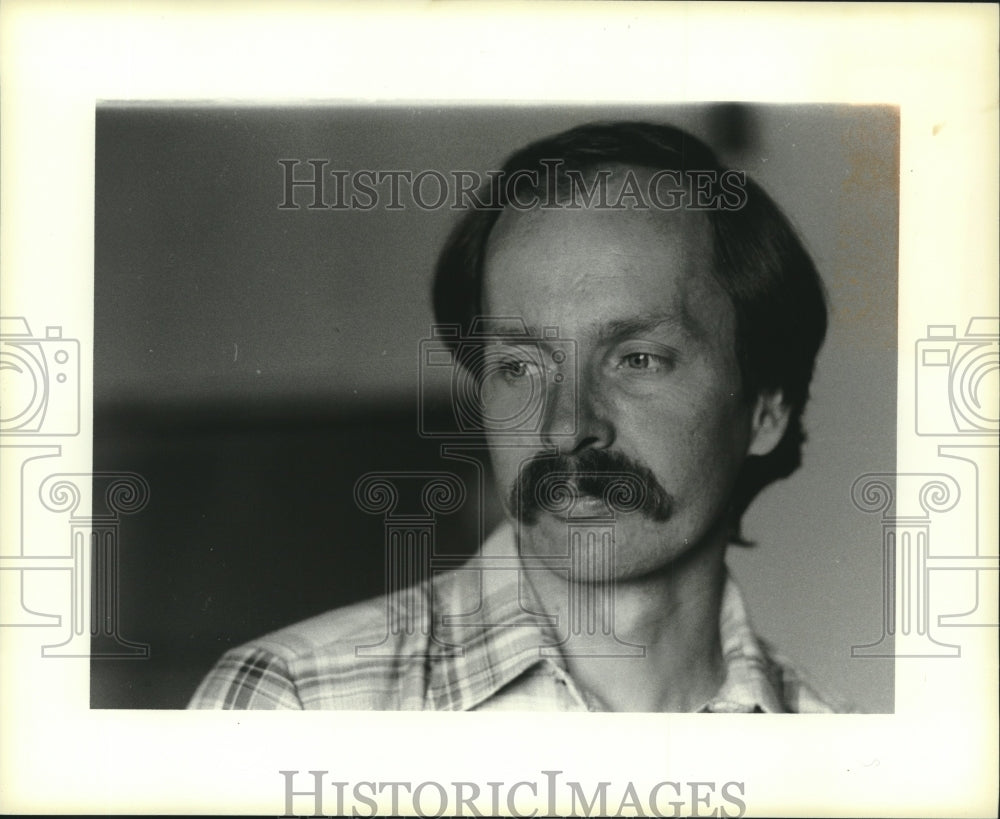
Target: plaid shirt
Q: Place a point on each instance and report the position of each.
(487, 650)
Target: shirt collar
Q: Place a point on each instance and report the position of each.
(489, 629)
(752, 679)
(488, 626)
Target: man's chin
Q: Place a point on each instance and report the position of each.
(626, 540)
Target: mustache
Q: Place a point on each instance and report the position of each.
(554, 483)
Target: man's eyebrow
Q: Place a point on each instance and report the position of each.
(641, 325)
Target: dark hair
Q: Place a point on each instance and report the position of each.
(776, 292)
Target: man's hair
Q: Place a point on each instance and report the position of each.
(775, 290)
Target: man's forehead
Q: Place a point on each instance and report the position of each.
(513, 328)
(626, 223)
(656, 259)
(603, 274)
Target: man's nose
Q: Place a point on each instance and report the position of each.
(575, 417)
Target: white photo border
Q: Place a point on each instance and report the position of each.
(937, 755)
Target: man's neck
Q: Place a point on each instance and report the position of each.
(673, 614)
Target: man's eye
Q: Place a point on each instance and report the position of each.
(642, 361)
(513, 368)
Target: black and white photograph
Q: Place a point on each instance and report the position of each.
(330, 341)
(526, 409)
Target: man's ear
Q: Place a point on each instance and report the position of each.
(769, 422)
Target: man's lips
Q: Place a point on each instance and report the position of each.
(585, 505)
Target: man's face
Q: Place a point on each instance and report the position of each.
(651, 381)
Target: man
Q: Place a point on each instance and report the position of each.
(662, 317)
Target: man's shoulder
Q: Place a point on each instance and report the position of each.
(799, 693)
(363, 656)
(760, 676)
(356, 624)
(377, 654)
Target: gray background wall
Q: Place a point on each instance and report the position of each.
(252, 362)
